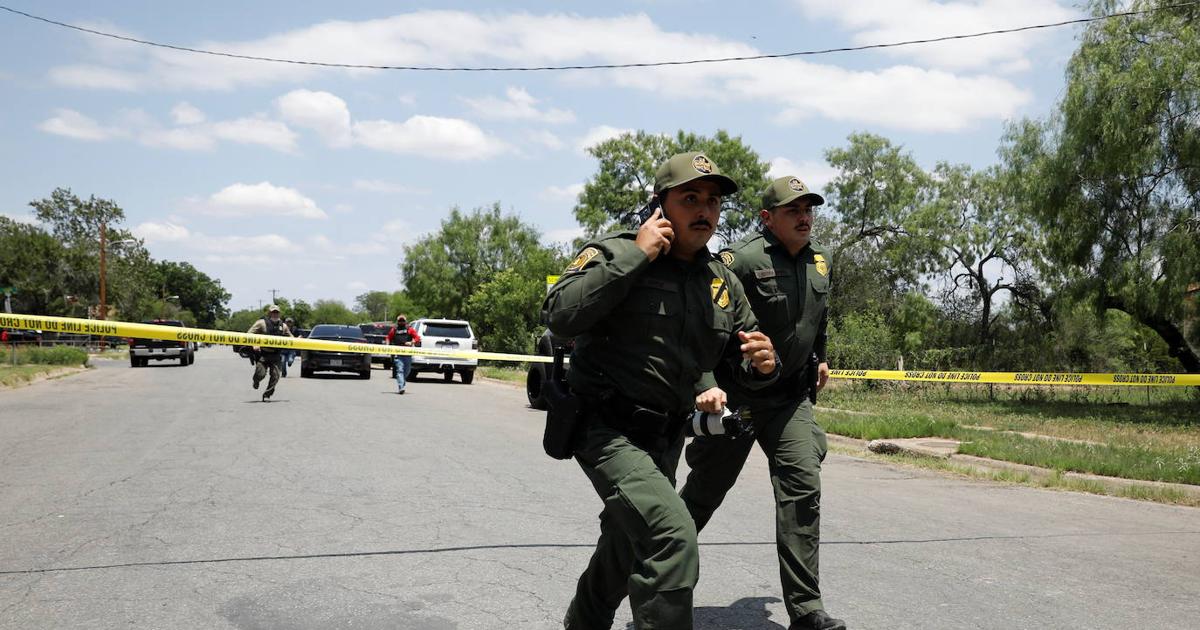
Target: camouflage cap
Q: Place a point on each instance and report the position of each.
(787, 189)
(272, 309)
(682, 168)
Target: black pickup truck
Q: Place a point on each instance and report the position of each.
(142, 351)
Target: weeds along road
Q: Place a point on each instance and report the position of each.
(169, 497)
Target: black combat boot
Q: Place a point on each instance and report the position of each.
(817, 620)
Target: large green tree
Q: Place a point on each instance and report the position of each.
(443, 270)
(199, 294)
(1113, 177)
(624, 179)
(982, 245)
(878, 253)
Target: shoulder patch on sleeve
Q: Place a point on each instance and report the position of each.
(821, 265)
(727, 258)
(582, 259)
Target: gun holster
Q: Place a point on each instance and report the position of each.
(563, 412)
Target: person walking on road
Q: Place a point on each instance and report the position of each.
(289, 355)
(650, 310)
(402, 335)
(269, 358)
(786, 276)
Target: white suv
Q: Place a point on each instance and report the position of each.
(448, 334)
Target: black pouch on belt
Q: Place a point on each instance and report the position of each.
(563, 416)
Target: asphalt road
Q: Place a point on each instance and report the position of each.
(169, 497)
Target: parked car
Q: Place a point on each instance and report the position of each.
(539, 373)
(445, 334)
(312, 361)
(376, 332)
(22, 337)
(143, 351)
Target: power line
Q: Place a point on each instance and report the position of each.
(602, 66)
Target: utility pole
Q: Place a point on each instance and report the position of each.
(273, 292)
(103, 247)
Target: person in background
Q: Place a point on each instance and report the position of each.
(402, 335)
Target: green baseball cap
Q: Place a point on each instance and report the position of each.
(682, 168)
(786, 190)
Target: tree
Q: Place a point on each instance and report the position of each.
(29, 263)
(867, 224)
(507, 312)
(333, 312)
(198, 294)
(980, 240)
(1113, 177)
(443, 270)
(374, 304)
(624, 181)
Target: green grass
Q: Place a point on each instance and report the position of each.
(46, 355)
(1055, 480)
(1111, 460)
(1154, 441)
(12, 376)
(872, 427)
(510, 374)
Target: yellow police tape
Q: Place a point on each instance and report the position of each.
(199, 335)
(1024, 378)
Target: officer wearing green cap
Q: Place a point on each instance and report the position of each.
(786, 276)
(651, 311)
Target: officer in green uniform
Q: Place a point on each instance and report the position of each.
(786, 277)
(651, 311)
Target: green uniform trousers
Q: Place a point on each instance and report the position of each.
(795, 447)
(267, 365)
(647, 546)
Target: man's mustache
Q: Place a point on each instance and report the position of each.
(701, 223)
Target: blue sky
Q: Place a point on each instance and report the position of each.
(311, 180)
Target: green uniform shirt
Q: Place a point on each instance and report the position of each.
(648, 330)
(789, 295)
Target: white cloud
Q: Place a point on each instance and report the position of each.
(546, 139)
(20, 218)
(517, 105)
(599, 134)
(193, 135)
(269, 133)
(881, 21)
(563, 193)
(562, 235)
(94, 77)
(262, 198)
(184, 139)
(154, 233)
(185, 113)
(389, 188)
(430, 136)
(72, 124)
(815, 174)
(322, 112)
(233, 249)
(901, 97)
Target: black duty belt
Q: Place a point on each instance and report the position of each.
(647, 427)
(794, 385)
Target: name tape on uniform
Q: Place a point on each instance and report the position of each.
(1024, 378)
(221, 337)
